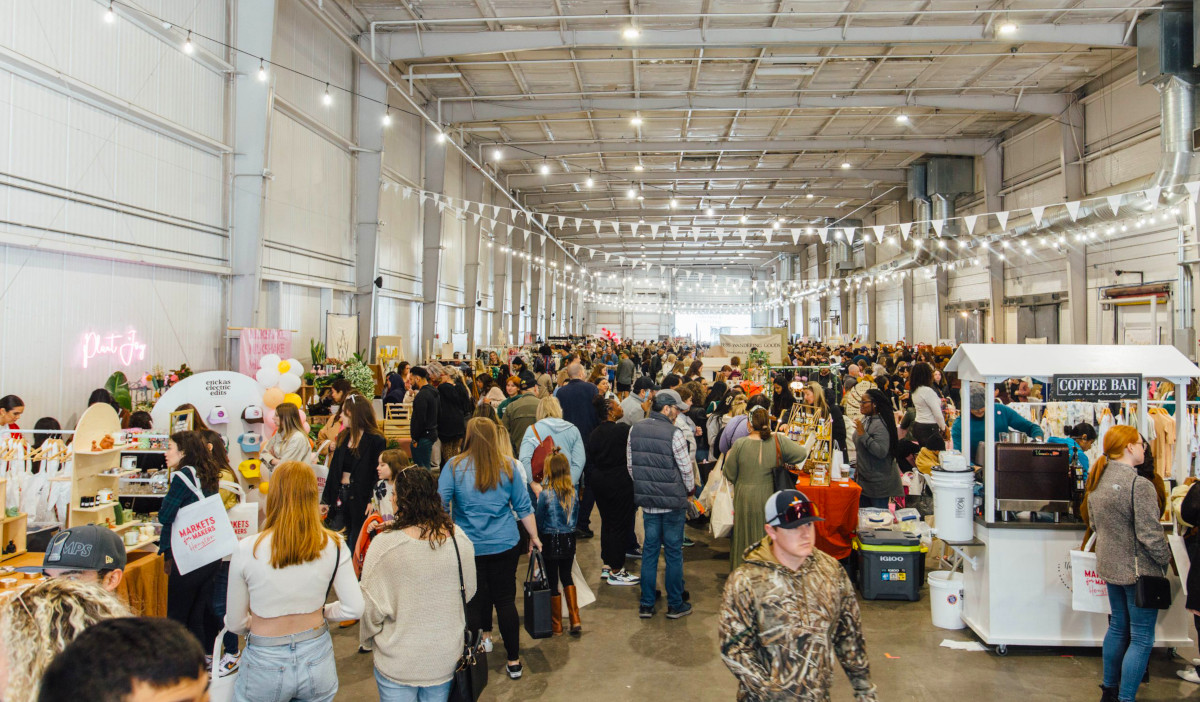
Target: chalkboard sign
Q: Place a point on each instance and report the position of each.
(1097, 388)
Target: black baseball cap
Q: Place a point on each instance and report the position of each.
(528, 383)
(788, 509)
(644, 383)
(87, 547)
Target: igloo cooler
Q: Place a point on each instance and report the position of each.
(891, 565)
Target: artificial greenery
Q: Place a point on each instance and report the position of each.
(316, 350)
(361, 377)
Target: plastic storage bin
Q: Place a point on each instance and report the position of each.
(891, 565)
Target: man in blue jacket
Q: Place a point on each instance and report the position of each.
(1006, 420)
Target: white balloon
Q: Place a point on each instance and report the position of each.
(295, 368)
(267, 377)
(289, 382)
(269, 361)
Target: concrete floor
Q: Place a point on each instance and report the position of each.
(621, 657)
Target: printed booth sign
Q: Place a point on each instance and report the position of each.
(1096, 388)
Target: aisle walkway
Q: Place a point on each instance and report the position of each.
(620, 657)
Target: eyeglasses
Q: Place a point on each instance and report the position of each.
(798, 509)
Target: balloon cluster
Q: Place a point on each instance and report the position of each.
(280, 380)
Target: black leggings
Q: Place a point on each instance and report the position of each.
(617, 515)
(556, 569)
(496, 586)
(929, 435)
(189, 601)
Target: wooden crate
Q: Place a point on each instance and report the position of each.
(397, 422)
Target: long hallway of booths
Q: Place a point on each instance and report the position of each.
(621, 657)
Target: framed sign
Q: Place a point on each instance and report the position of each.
(1097, 388)
(183, 420)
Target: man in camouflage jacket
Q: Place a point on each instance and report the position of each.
(788, 610)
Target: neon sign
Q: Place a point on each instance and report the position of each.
(125, 347)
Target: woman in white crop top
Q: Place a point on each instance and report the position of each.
(278, 583)
(929, 426)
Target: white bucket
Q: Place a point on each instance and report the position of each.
(946, 599)
(953, 505)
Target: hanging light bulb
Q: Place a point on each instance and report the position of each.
(631, 193)
(544, 169)
(187, 45)
(809, 196)
(902, 118)
(673, 203)
(775, 225)
(631, 33)
(1007, 28)
(441, 137)
(742, 219)
(589, 182)
(845, 164)
(328, 99)
(110, 16)
(387, 117)
(262, 71)
(636, 121)
(710, 212)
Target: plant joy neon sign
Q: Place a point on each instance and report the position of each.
(124, 347)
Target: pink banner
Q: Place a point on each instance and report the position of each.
(256, 343)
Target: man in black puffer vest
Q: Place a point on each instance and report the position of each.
(662, 480)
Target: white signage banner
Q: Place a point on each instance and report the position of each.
(740, 345)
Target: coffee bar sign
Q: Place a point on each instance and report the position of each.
(1097, 388)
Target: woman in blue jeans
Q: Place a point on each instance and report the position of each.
(1123, 509)
(279, 581)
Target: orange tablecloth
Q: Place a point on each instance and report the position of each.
(838, 505)
(144, 586)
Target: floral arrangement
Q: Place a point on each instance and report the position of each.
(360, 376)
(148, 387)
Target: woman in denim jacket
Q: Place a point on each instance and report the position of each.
(556, 512)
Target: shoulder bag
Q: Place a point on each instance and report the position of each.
(202, 533)
(538, 602)
(470, 675)
(783, 478)
(1150, 591)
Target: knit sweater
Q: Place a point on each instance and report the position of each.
(413, 614)
(1111, 515)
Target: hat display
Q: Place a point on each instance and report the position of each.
(253, 414)
(250, 468)
(218, 415)
(88, 547)
(788, 509)
(250, 442)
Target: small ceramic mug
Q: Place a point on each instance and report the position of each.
(131, 537)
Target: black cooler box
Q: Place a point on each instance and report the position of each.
(891, 565)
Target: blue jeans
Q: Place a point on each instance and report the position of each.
(304, 672)
(422, 453)
(663, 531)
(1128, 642)
(391, 691)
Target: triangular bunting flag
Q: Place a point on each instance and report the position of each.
(1193, 189)
(674, 231)
(938, 224)
(406, 192)
(905, 229)
(424, 197)
(824, 234)
(616, 228)
(849, 234)
(970, 221)
(1152, 194)
(696, 234)
(561, 220)
(633, 226)
(1002, 218)
(495, 211)
(606, 256)
(1037, 214)
(654, 230)
(878, 233)
(591, 253)
(1073, 210)
(596, 223)
(545, 217)
(510, 229)
(576, 247)
(720, 234)
(743, 234)
(578, 223)
(795, 236)
(441, 206)
(476, 216)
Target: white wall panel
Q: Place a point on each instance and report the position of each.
(1152, 253)
(305, 45)
(969, 284)
(889, 311)
(925, 307)
(1031, 152)
(1124, 165)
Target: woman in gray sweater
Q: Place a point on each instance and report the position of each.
(875, 451)
(1122, 508)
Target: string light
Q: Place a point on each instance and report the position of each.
(109, 15)
(902, 118)
(441, 137)
(589, 182)
(328, 100)
(497, 154)
(710, 212)
(262, 71)
(187, 45)
(845, 164)
(387, 118)
(631, 33)
(544, 169)
(631, 193)
(636, 121)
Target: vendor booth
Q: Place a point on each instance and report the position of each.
(1017, 571)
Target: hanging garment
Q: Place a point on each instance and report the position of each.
(1163, 443)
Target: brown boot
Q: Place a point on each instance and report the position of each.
(573, 609)
(556, 615)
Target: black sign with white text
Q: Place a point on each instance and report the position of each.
(1097, 388)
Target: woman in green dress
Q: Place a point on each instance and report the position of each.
(748, 467)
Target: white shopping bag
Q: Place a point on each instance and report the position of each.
(201, 533)
(220, 687)
(321, 470)
(243, 516)
(583, 594)
(1182, 560)
(715, 478)
(1089, 592)
(722, 511)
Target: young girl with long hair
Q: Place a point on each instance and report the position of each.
(557, 512)
(290, 440)
(279, 581)
(353, 470)
(189, 597)
(413, 620)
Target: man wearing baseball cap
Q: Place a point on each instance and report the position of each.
(521, 413)
(89, 553)
(807, 597)
(635, 404)
(661, 468)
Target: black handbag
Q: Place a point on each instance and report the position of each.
(471, 674)
(1149, 591)
(538, 599)
(336, 520)
(783, 478)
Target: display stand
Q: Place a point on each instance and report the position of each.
(99, 469)
(1017, 576)
(13, 529)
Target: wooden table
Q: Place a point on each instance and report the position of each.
(837, 503)
(144, 586)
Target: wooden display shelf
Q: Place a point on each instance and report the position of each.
(104, 452)
(97, 508)
(14, 529)
(143, 543)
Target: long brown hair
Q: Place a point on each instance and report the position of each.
(194, 448)
(818, 397)
(293, 518)
(760, 422)
(557, 477)
(287, 419)
(419, 505)
(481, 447)
(361, 421)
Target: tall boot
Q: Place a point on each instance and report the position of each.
(573, 609)
(556, 615)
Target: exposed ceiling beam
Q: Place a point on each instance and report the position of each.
(694, 188)
(408, 46)
(946, 147)
(485, 109)
(662, 197)
(661, 215)
(883, 175)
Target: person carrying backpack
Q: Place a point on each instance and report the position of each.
(550, 431)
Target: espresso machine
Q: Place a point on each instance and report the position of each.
(1033, 478)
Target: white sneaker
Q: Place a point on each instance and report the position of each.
(622, 577)
(487, 645)
(229, 664)
(605, 572)
(1189, 674)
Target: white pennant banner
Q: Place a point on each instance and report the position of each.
(1037, 213)
(1193, 189)
(905, 230)
(1073, 210)
(938, 224)
(1152, 194)
(578, 223)
(1002, 218)
(878, 232)
(824, 234)
(561, 221)
(654, 230)
(849, 235)
(970, 221)
(1114, 203)
(633, 226)
(795, 236)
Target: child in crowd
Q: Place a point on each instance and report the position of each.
(557, 503)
